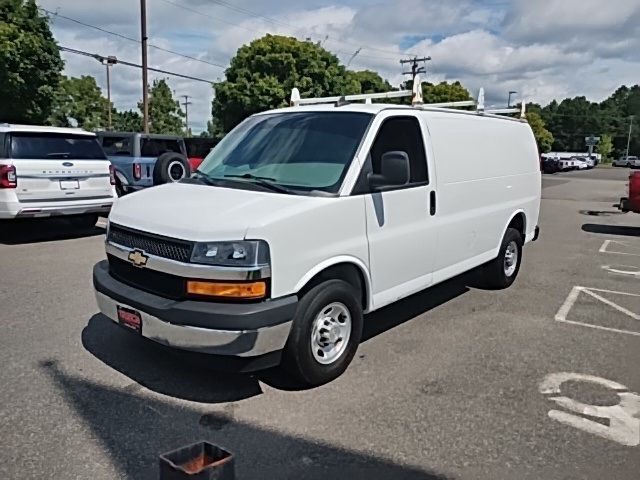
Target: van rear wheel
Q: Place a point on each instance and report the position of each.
(325, 334)
(502, 272)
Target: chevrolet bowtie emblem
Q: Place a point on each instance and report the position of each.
(138, 258)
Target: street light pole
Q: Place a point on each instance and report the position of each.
(629, 136)
(511, 92)
(145, 80)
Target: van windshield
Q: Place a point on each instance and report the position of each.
(299, 151)
(55, 146)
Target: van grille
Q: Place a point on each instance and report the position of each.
(152, 281)
(171, 248)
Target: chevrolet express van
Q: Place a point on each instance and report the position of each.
(302, 219)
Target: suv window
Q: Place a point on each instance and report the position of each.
(154, 147)
(2, 147)
(54, 146)
(117, 146)
(401, 133)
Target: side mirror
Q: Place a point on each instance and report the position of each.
(394, 170)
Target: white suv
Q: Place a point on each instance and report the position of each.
(48, 171)
(303, 218)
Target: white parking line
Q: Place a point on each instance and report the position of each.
(571, 299)
(605, 248)
(623, 426)
(102, 223)
(634, 271)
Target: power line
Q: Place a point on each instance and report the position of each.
(131, 39)
(102, 58)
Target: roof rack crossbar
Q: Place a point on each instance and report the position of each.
(296, 100)
(416, 100)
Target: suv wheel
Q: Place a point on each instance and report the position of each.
(170, 168)
(325, 334)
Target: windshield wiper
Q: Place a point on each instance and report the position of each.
(266, 182)
(204, 178)
(58, 155)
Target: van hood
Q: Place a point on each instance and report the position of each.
(205, 213)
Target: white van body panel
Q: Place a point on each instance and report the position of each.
(487, 172)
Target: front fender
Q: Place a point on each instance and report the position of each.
(330, 262)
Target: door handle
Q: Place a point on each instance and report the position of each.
(432, 202)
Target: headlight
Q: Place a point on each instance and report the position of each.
(244, 253)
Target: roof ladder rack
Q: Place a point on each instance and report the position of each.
(416, 100)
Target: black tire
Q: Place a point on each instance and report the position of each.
(86, 221)
(298, 358)
(496, 274)
(119, 188)
(170, 167)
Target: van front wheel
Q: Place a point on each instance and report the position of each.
(502, 272)
(325, 334)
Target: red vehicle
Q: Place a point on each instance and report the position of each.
(197, 149)
(632, 202)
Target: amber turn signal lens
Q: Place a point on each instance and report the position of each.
(227, 290)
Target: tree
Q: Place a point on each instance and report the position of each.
(30, 63)
(262, 74)
(440, 92)
(165, 114)
(80, 99)
(543, 137)
(370, 81)
(127, 121)
(605, 147)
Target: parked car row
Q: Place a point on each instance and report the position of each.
(553, 165)
(50, 171)
(630, 161)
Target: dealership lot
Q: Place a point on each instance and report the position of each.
(454, 382)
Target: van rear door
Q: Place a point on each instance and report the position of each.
(59, 166)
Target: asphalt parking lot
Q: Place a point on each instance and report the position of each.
(455, 382)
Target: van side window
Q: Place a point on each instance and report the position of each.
(396, 133)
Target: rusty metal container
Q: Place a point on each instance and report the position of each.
(200, 461)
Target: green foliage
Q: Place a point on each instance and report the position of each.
(439, 92)
(544, 138)
(262, 74)
(80, 99)
(605, 146)
(165, 114)
(573, 119)
(127, 121)
(369, 81)
(30, 63)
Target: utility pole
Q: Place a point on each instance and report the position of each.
(511, 92)
(145, 79)
(414, 66)
(186, 104)
(629, 136)
(110, 60)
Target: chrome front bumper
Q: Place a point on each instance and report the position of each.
(241, 343)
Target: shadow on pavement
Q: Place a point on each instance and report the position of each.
(601, 213)
(22, 231)
(135, 428)
(612, 229)
(163, 370)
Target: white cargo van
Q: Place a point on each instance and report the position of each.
(303, 218)
(49, 171)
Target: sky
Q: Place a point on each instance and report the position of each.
(542, 49)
